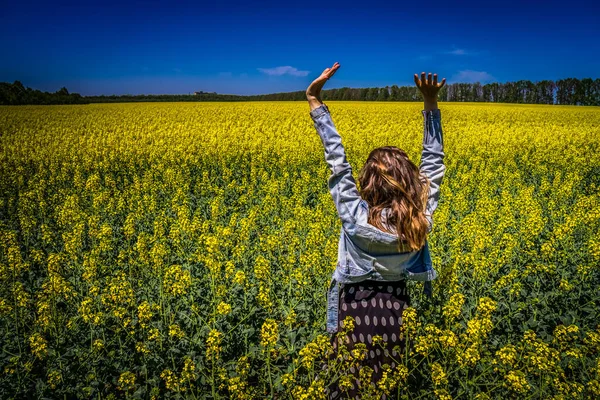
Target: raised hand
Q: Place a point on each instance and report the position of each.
(314, 89)
(428, 87)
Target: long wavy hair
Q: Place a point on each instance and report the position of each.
(390, 180)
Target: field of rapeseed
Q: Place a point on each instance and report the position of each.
(183, 250)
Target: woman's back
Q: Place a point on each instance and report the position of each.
(364, 250)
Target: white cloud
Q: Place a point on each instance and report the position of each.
(470, 76)
(458, 52)
(278, 71)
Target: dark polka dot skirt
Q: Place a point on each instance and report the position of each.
(376, 308)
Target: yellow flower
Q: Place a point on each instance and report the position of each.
(229, 268)
(365, 373)
(54, 378)
(141, 347)
(269, 333)
(240, 278)
(189, 367)
(119, 290)
(565, 285)
(359, 351)
(486, 306)
(261, 268)
(346, 382)
(127, 381)
(410, 323)
(478, 328)
(529, 336)
(94, 290)
(290, 318)
(470, 356)
(39, 346)
(438, 376)
(177, 280)
(98, 344)
(314, 349)
(20, 295)
(176, 331)
(287, 379)
(539, 356)
(243, 366)
(377, 340)
(515, 380)
(5, 308)
(594, 387)
(448, 339)
(223, 308)
(423, 344)
(566, 334)
(144, 313)
(391, 378)
(44, 312)
(576, 353)
(515, 289)
(442, 394)
(236, 387)
(153, 334)
(592, 341)
(213, 343)
(171, 381)
(263, 297)
(348, 324)
(507, 355)
(453, 308)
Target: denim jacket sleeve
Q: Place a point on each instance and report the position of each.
(341, 182)
(432, 158)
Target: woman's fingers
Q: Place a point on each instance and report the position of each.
(336, 66)
(329, 72)
(430, 81)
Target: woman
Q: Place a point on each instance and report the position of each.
(383, 240)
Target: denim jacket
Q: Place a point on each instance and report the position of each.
(365, 251)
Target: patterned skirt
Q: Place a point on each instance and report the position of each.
(376, 308)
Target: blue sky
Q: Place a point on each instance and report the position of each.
(245, 47)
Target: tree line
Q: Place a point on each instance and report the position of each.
(17, 94)
(569, 91)
(573, 91)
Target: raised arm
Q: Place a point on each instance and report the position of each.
(432, 156)
(341, 182)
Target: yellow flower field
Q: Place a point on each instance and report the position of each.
(183, 250)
